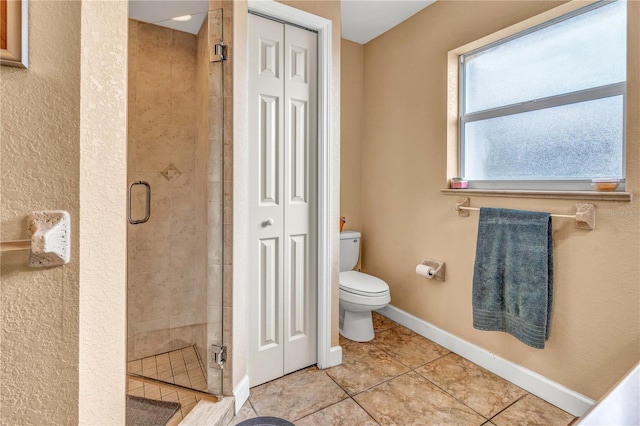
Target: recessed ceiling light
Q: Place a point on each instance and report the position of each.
(182, 18)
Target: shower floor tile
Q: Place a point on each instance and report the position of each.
(399, 378)
(182, 367)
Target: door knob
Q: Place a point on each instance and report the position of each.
(267, 222)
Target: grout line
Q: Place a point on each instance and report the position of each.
(448, 393)
(320, 409)
(419, 375)
(384, 381)
(505, 408)
(202, 367)
(162, 353)
(338, 384)
(251, 404)
(444, 390)
(375, 345)
(349, 396)
(365, 410)
(178, 388)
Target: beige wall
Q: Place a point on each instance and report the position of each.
(40, 156)
(103, 156)
(595, 329)
(63, 328)
(351, 130)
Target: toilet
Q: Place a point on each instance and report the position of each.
(359, 293)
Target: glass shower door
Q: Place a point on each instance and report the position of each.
(175, 264)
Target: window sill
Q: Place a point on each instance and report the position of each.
(564, 195)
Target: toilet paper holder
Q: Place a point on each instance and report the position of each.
(437, 265)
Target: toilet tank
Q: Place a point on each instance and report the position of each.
(349, 250)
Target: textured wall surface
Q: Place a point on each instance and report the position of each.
(39, 148)
(595, 328)
(103, 156)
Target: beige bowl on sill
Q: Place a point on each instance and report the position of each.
(605, 184)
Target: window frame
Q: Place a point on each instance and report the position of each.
(599, 92)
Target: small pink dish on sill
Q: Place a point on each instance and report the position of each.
(605, 184)
(458, 183)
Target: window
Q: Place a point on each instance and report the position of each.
(545, 108)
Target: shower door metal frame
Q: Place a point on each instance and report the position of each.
(218, 54)
(209, 357)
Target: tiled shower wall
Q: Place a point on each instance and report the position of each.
(167, 260)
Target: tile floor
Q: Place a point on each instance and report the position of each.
(399, 378)
(182, 367)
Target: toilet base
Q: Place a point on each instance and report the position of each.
(356, 326)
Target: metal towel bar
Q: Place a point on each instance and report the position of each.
(15, 245)
(585, 216)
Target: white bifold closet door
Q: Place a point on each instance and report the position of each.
(282, 199)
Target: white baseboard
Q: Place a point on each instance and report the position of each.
(335, 356)
(552, 392)
(241, 393)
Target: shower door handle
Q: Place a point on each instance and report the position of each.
(147, 204)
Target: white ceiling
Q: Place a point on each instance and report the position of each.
(362, 20)
(160, 12)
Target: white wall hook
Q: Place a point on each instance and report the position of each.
(50, 238)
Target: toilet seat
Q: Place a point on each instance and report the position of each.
(363, 289)
(360, 283)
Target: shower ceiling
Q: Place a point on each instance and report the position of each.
(160, 12)
(362, 20)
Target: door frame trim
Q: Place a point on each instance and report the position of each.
(279, 11)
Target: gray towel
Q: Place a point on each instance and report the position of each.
(513, 274)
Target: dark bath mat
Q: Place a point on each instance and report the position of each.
(149, 412)
(265, 421)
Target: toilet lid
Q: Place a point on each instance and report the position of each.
(363, 284)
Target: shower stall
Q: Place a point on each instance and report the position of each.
(176, 175)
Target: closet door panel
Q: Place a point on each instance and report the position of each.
(266, 211)
(300, 229)
(283, 194)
